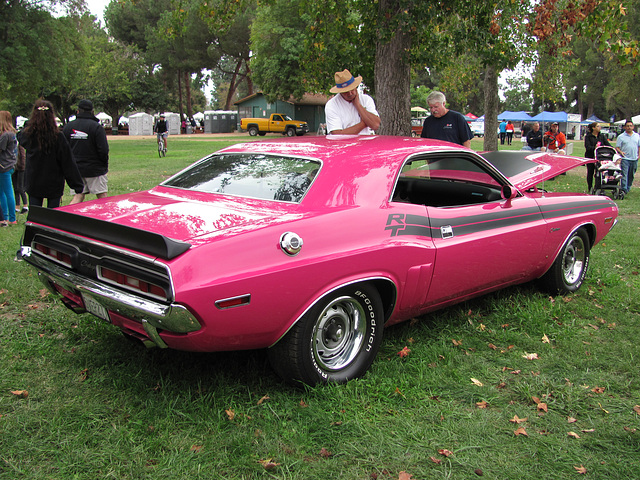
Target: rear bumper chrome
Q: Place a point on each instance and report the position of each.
(152, 315)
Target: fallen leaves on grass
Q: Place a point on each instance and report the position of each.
(541, 405)
(545, 339)
(445, 452)
(598, 389)
(455, 342)
(476, 382)
(268, 464)
(404, 352)
(324, 453)
(196, 448)
(230, 414)
(518, 420)
(263, 399)
(404, 476)
(637, 409)
(482, 404)
(530, 356)
(573, 434)
(520, 431)
(581, 469)
(435, 460)
(571, 420)
(84, 374)
(492, 346)
(20, 393)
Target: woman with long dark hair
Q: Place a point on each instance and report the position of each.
(593, 139)
(49, 159)
(8, 157)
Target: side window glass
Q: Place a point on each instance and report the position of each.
(445, 181)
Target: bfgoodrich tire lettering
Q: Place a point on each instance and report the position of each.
(335, 341)
(570, 266)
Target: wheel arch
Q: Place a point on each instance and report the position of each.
(385, 287)
(589, 227)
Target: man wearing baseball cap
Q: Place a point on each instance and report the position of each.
(88, 141)
(350, 112)
(554, 140)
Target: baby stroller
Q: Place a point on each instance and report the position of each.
(608, 172)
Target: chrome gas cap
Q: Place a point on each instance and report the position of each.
(290, 243)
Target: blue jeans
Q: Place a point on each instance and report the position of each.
(629, 168)
(7, 199)
(527, 147)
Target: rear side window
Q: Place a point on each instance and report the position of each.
(266, 177)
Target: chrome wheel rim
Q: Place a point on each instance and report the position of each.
(573, 260)
(339, 333)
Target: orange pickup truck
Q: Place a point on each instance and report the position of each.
(277, 123)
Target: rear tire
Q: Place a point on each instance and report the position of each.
(335, 341)
(253, 131)
(570, 266)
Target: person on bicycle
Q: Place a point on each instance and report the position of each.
(161, 129)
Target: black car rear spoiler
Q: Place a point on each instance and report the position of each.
(128, 237)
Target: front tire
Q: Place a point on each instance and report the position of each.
(291, 132)
(335, 341)
(570, 266)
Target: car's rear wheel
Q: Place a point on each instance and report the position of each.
(570, 266)
(253, 131)
(335, 341)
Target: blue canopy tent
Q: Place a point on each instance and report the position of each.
(514, 116)
(551, 117)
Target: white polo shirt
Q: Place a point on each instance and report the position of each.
(341, 114)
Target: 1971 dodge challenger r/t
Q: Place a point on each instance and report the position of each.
(310, 247)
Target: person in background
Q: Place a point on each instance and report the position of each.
(49, 159)
(534, 138)
(161, 129)
(554, 140)
(628, 145)
(510, 130)
(88, 142)
(18, 182)
(350, 112)
(445, 124)
(592, 140)
(8, 159)
(503, 131)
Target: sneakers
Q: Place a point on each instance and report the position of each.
(24, 210)
(4, 223)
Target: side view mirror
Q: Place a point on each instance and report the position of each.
(508, 192)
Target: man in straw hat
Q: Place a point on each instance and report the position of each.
(350, 112)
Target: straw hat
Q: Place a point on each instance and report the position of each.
(345, 82)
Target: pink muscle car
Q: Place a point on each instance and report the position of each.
(312, 246)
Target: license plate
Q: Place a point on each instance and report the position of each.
(95, 308)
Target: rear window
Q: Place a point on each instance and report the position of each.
(266, 177)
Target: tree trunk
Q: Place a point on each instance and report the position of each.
(180, 95)
(233, 86)
(187, 89)
(491, 104)
(393, 80)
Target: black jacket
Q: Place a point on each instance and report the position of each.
(89, 146)
(46, 172)
(591, 142)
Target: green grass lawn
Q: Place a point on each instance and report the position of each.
(78, 401)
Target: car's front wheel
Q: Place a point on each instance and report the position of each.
(570, 266)
(291, 132)
(335, 341)
(253, 131)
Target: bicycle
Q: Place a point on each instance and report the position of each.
(162, 149)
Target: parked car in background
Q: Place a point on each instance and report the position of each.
(477, 128)
(416, 126)
(311, 247)
(276, 123)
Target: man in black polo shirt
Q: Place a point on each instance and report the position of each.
(445, 124)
